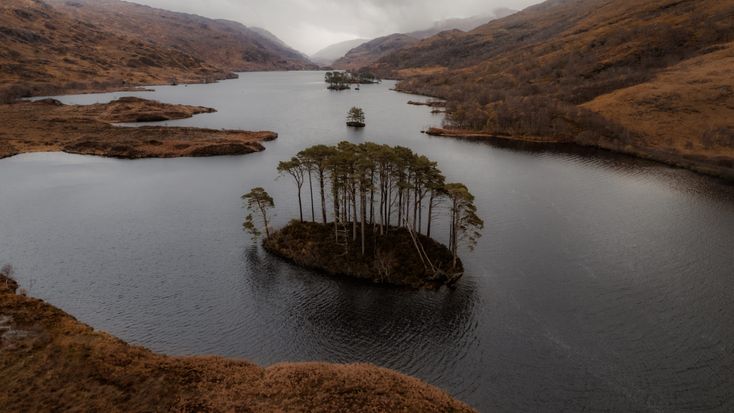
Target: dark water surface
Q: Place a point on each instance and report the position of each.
(602, 283)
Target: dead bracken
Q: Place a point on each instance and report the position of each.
(50, 361)
(50, 126)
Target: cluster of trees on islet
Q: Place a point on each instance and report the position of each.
(372, 189)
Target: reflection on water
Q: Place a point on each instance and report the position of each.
(603, 283)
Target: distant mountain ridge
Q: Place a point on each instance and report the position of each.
(70, 45)
(371, 51)
(330, 54)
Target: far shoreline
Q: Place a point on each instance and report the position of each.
(700, 165)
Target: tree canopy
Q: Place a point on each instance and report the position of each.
(385, 188)
(355, 116)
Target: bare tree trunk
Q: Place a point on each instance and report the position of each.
(388, 207)
(420, 215)
(300, 204)
(364, 218)
(430, 215)
(265, 219)
(310, 186)
(415, 209)
(400, 206)
(335, 193)
(354, 212)
(372, 198)
(323, 196)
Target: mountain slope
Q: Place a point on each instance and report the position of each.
(56, 45)
(530, 74)
(45, 50)
(688, 107)
(224, 43)
(371, 51)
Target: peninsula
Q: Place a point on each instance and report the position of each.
(50, 126)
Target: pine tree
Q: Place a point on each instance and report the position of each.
(296, 169)
(465, 225)
(258, 202)
(355, 117)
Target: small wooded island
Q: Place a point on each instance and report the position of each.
(383, 204)
(355, 118)
(343, 80)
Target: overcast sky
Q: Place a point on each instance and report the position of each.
(309, 25)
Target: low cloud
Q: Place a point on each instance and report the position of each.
(309, 25)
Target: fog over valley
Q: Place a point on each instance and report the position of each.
(311, 25)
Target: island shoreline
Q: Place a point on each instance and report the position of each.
(303, 244)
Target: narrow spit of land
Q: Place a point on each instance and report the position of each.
(50, 126)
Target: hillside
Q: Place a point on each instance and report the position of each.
(369, 52)
(56, 45)
(373, 50)
(539, 71)
(688, 107)
(226, 44)
(51, 362)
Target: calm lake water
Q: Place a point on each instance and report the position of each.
(602, 283)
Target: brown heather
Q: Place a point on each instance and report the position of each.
(49, 126)
(51, 362)
(60, 46)
(650, 78)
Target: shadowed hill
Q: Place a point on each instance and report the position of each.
(56, 45)
(530, 74)
(226, 44)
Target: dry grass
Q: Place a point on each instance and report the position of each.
(51, 362)
(58, 46)
(421, 71)
(650, 78)
(48, 126)
(677, 108)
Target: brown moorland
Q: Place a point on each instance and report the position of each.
(49, 126)
(58, 46)
(49, 361)
(369, 52)
(626, 75)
